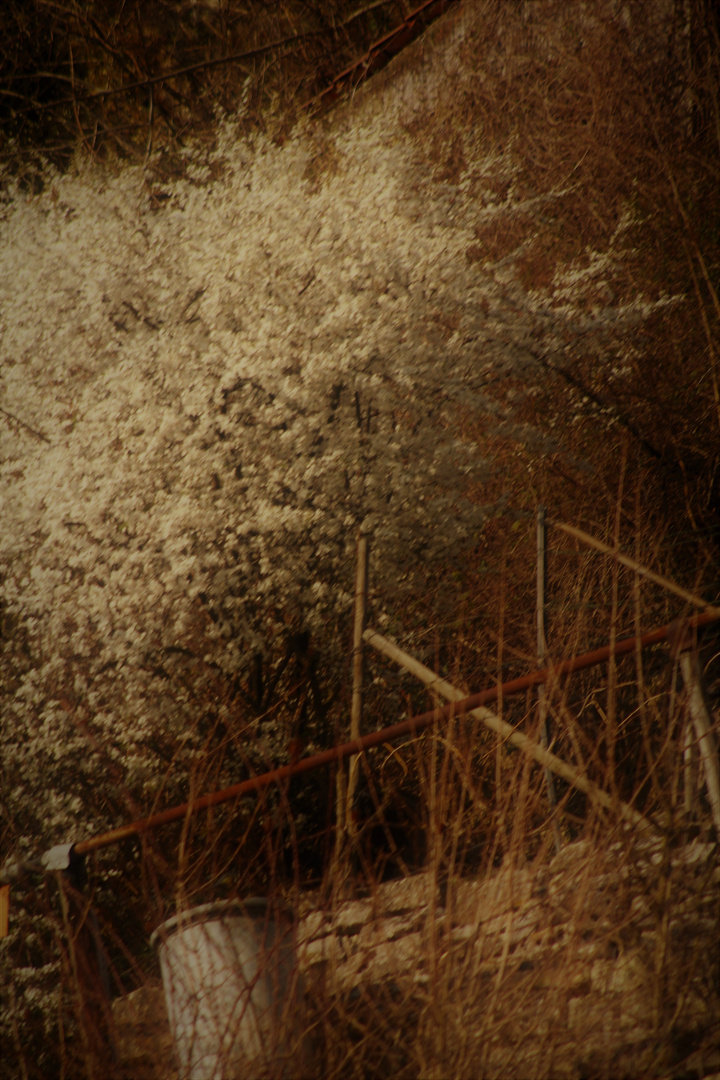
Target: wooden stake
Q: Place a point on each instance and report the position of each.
(542, 662)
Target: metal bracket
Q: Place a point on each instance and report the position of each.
(58, 857)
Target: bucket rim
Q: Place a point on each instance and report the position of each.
(252, 908)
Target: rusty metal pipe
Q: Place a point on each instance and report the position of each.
(411, 726)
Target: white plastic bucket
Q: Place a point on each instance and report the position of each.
(228, 973)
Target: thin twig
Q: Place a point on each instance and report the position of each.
(604, 406)
(176, 73)
(611, 701)
(38, 434)
(708, 333)
(357, 694)
(639, 669)
(148, 148)
(364, 10)
(542, 660)
(665, 161)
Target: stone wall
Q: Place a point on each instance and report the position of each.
(586, 964)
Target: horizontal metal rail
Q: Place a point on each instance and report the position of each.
(412, 726)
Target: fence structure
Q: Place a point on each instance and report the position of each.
(479, 924)
(681, 634)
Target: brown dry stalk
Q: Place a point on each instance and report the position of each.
(687, 223)
(611, 720)
(357, 691)
(708, 333)
(639, 668)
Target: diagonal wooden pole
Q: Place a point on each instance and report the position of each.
(501, 727)
(670, 586)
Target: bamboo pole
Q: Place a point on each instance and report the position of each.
(500, 727)
(670, 586)
(690, 777)
(706, 742)
(541, 662)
